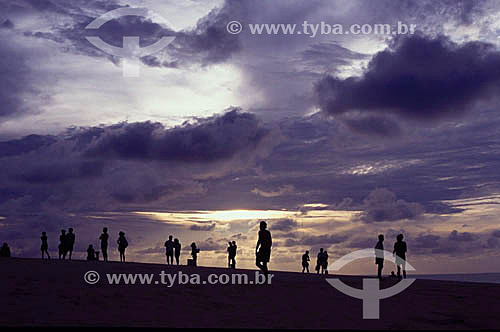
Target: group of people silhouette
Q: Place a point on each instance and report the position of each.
(262, 251)
(399, 251)
(66, 243)
(173, 248)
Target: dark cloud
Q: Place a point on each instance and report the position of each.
(209, 42)
(210, 244)
(283, 225)
(16, 81)
(496, 233)
(362, 243)
(417, 77)
(382, 205)
(7, 24)
(204, 228)
(374, 125)
(425, 241)
(326, 56)
(216, 138)
(25, 145)
(461, 237)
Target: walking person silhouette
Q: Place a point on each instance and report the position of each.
(70, 237)
(122, 245)
(305, 262)
(400, 250)
(177, 250)
(62, 245)
(104, 243)
(169, 246)
(379, 256)
(263, 248)
(45, 246)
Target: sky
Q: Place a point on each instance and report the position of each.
(332, 139)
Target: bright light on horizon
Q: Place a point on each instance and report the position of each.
(222, 215)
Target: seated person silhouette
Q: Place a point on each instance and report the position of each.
(91, 253)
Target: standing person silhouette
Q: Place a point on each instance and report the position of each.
(194, 253)
(177, 250)
(263, 248)
(379, 256)
(324, 263)
(305, 262)
(45, 246)
(5, 250)
(122, 245)
(400, 250)
(70, 237)
(233, 248)
(104, 243)
(319, 260)
(62, 245)
(169, 246)
(229, 254)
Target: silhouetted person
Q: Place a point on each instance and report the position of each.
(169, 250)
(5, 251)
(379, 255)
(62, 245)
(319, 259)
(305, 262)
(177, 250)
(393, 275)
(324, 263)
(45, 245)
(104, 243)
(122, 245)
(400, 251)
(91, 253)
(70, 237)
(231, 251)
(194, 253)
(263, 248)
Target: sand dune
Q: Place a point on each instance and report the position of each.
(55, 293)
